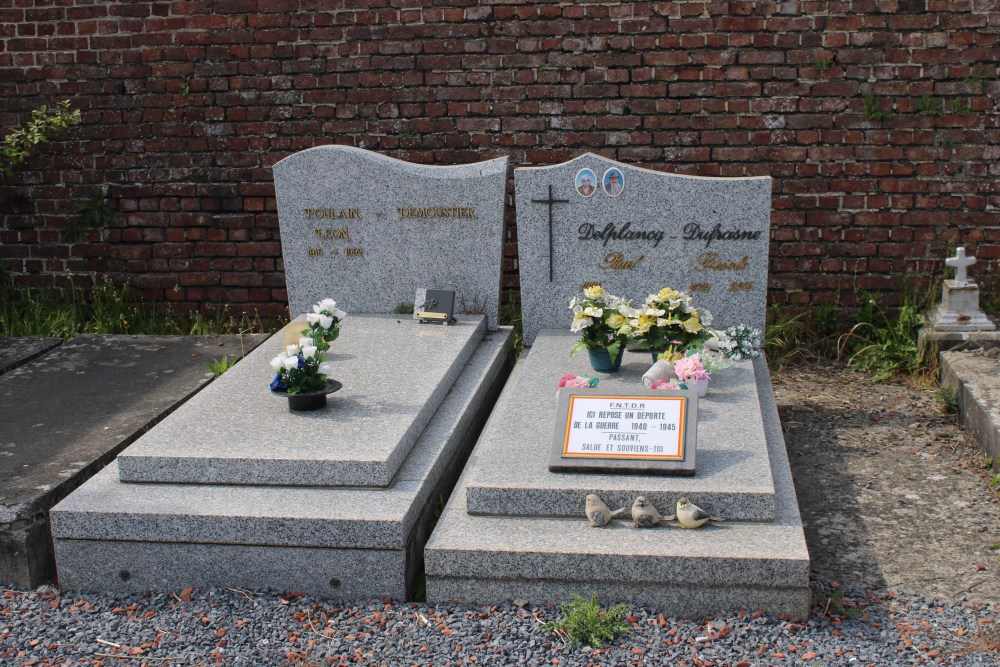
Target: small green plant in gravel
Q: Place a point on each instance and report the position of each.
(784, 336)
(220, 366)
(881, 344)
(948, 397)
(585, 623)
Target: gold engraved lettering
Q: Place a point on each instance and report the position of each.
(740, 287)
(615, 260)
(334, 233)
(331, 213)
(436, 212)
(315, 252)
(699, 287)
(355, 252)
(709, 261)
(589, 283)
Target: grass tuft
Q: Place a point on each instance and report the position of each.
(585, 623)
(110, 308)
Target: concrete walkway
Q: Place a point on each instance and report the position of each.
(67, 409)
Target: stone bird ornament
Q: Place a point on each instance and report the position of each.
(598, 513)
(690, 515)
(644, 515)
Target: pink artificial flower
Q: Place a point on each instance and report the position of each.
(690, 368)
(566, 378)
(578, 383)
(663, 384)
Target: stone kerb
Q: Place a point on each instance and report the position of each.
(368, 230)
(705, 236)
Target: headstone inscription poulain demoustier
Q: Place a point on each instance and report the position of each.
(366, 230)
(633, 230)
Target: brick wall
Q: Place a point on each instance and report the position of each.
(186, 105)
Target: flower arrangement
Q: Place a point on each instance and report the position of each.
(665, 384)
(741, 342)
(578, 381)
(669, 322)
(690, 368)
(602, 321)
(301, 367)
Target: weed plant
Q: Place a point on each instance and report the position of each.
(510, 315)
(585, 623)
(883, 345)
(110, 308)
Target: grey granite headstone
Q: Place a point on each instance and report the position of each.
(704, 236)
(366, 230)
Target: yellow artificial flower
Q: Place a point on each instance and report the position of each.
(692, 324)
(595, 292)
(616, 321)
(666, 294)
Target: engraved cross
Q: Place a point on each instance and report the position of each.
(961, 263)
(550, 201)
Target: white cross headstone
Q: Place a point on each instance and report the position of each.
(961, 263)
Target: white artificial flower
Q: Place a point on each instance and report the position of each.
(327, 304)
(291, 363)
(305, 342)
(317, 309)
(326, 368)
(705, 315)
(590, 311)
(312, 318)
(580, 323)
(278, 362)
(339, 314)
(308, 351)
(292, 350)
(325, 321)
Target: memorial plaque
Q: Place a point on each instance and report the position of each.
(364, 229)
(596, 221)
(642, 432)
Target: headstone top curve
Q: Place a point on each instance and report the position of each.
(486, 167)
(588, 156)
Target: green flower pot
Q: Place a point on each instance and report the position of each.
(601, 361)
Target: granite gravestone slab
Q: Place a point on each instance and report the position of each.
(366, 230)
(633, 230)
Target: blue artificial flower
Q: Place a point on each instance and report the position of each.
(302, 362)
(277, 384)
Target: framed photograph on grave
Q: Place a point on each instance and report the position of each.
(434, 306)
(644, 432)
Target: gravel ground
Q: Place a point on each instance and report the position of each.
(898, 514)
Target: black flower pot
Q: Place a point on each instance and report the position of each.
(307, 401)
(313, 400)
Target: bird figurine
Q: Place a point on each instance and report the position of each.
(690, 515)
(598, 513)
(644, 515)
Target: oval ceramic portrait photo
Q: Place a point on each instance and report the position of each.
(586, 182)
(614, 182)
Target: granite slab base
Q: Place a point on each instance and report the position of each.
(256, 534)
(733, 477)
(749, 564)
(242, 433)
(68, 412)
(19, 350)
(977, 379)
